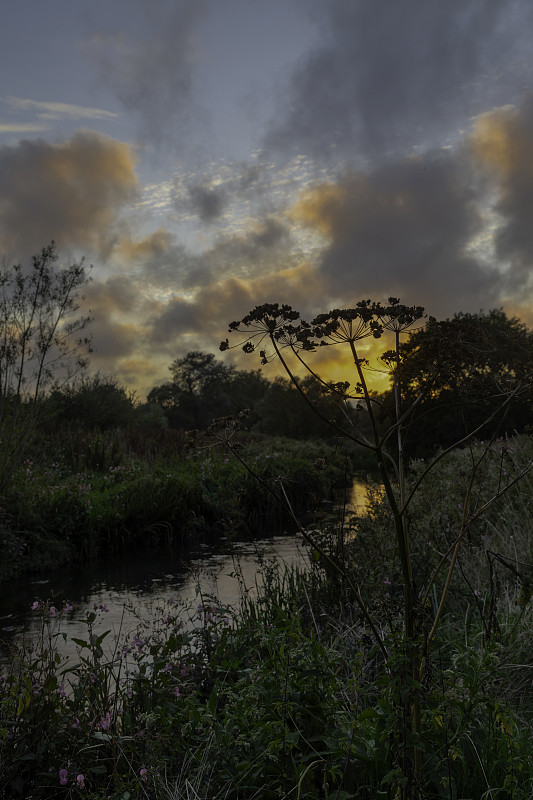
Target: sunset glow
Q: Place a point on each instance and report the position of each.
(207, 156)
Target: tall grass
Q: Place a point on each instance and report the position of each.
(105, 493)
(282, 696)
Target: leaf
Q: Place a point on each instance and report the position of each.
(80, 642)
(368, 713)
(212, 702)
(102, 737)
(101, 638)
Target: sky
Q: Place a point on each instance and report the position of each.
(206, 156)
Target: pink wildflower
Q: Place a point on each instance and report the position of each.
(80, 780)
(63, 777)
(143, 772)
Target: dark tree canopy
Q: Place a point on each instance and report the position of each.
(203, 388)
(96, 402)
(465, 366)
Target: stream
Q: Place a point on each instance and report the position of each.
(143, 580)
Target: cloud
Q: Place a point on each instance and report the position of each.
(204, 317)
(51, 110)
(22, 127)
(150, 69)
(207, 201)
(73, 192)
(403, 229)
(503, 143)
(113, 341)
(162, 261)
(167, 264)
(391, 76)
(141, 372)
(116, 294)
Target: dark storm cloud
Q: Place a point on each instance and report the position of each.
(403, 229)
(118, 293)
(161, 259)
(177, 317)
(71, 192)
(391, 75)
(207, 202)
(150, 69)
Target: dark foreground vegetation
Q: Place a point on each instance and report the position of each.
(397, 666)
(102, 494)
(289, 695)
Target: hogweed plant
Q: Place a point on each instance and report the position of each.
(277, 332)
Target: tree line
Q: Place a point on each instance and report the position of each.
(461, 366)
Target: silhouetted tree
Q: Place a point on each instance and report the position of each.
(42, 343)
(282, 411)
(94, 403)
(463, 367)
(203, 388)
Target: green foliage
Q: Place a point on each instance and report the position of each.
(273, 699)
(282, 410)
(496, 560)
(97, 497)
(464, 355)
(203, 388)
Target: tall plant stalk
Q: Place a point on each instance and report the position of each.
(274, 329)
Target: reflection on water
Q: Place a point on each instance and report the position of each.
(358, 500)
(144, 580)
(134, 586)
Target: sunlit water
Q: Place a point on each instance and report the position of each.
(135, 584)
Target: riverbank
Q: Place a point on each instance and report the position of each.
(105, 497)
(290, 693)
(282, 696)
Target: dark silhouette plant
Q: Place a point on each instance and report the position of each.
(42, 343)
(277, 332)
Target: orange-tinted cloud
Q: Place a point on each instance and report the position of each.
(404, 230)
(503, 143)
(152, 246)
(116, 294)
(139, 372)
(72, 192)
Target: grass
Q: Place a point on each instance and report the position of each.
(287, 695)
(277, 698)
(116, 495)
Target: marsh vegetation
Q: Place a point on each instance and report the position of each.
(397, 666)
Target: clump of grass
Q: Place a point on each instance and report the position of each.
(280, 696)
(495, 564)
